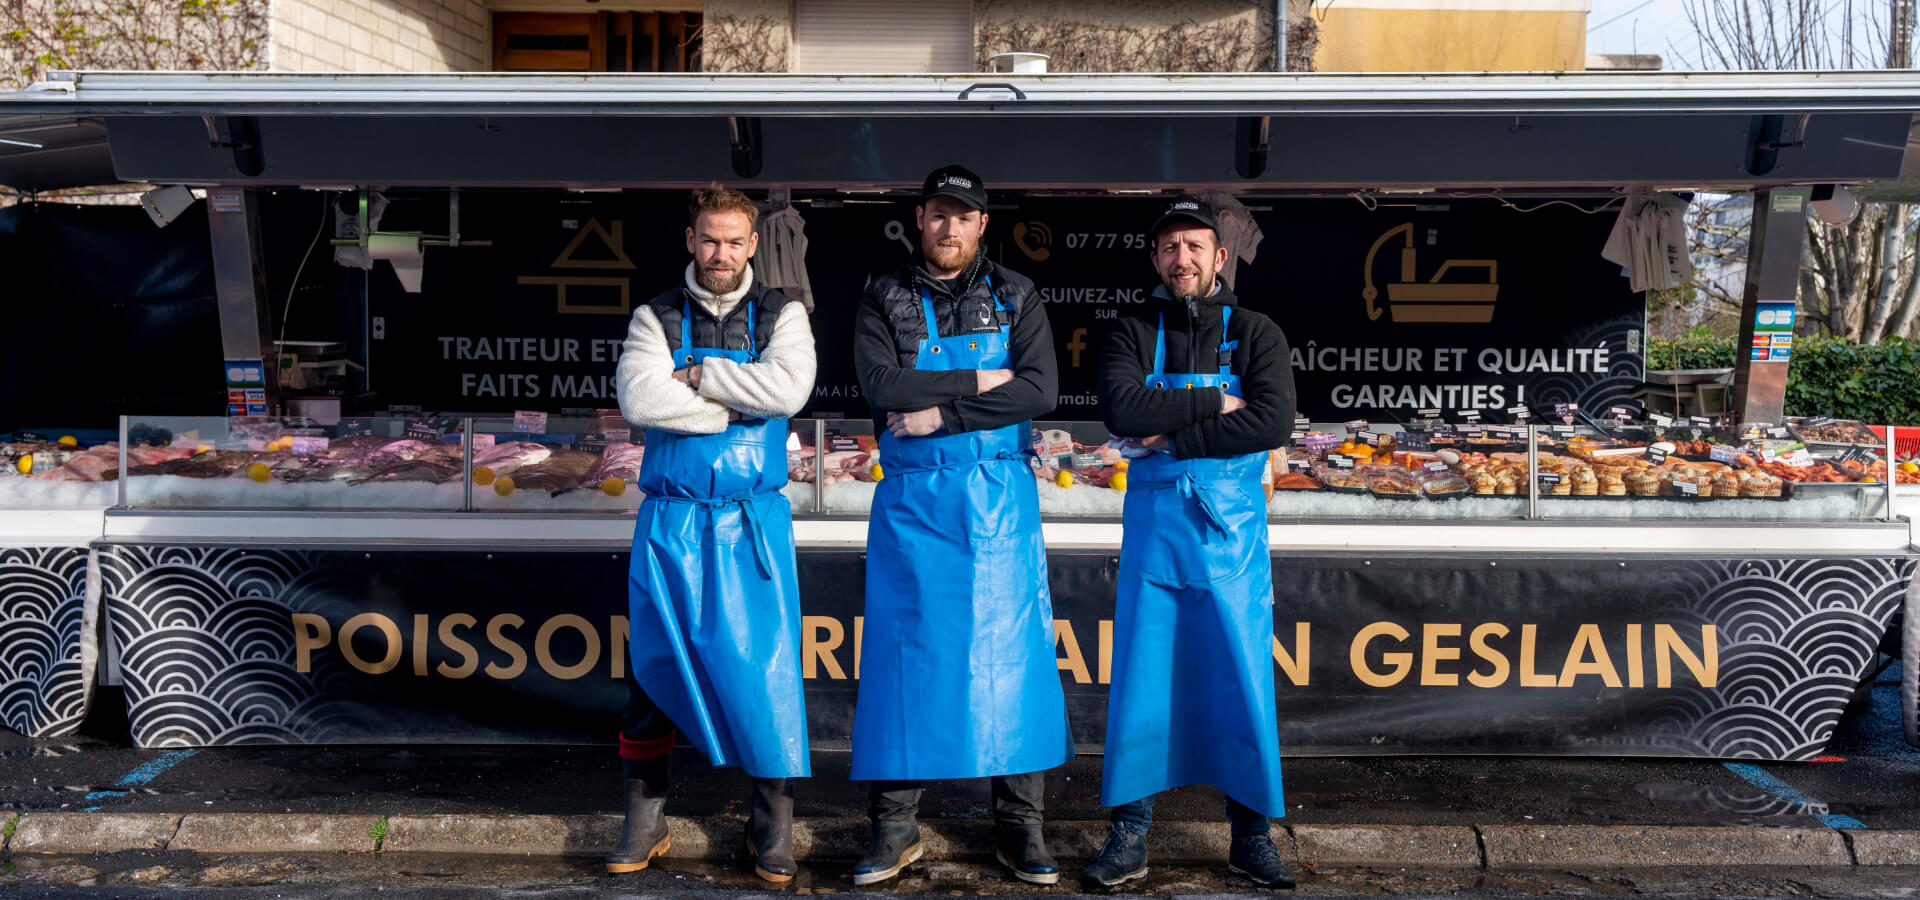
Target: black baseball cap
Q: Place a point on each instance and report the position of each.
(956, 182)
(1186, 207)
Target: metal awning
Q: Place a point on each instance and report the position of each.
(47, 152)
(1250, 133)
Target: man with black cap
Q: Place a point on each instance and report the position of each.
(957, 673)
(1206, 389)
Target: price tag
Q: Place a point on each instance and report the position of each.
(1435, 467)
(1086, 461)
(1317, 441)
(1776, 432)
(1356, 426)
(1656, 456)
(1302, 423)
(307, 446)
(1470, 431)
(424, 430)
(1564, 430)
(353, 427)
(1340, 461)
(483, 443)
(1659, 421)
(1798, 457)
(1519, 413)
(1468, 415)
(1369, 438)
(1429, 414)
(1723, 453)
(595, 444)
(1566, 411)
(1817, 420)
(1414, 440)
(840, 443)
(1549, 479)
(1300, 465)
(1701, 421)
(1686, 489)
(1622, 412)
(1298, 436)
(1445, 432)
(528, 422)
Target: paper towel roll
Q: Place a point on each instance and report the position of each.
(403, 251)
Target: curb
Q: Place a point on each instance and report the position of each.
(839, 839)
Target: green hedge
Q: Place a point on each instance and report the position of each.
(1873, 383)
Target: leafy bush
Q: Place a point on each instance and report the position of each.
(1877, 383)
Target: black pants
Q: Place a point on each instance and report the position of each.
(1017, 800)
(645, 730)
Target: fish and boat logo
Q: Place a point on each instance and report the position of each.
(1434, 300)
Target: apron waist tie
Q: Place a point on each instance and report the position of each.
(1005, 454)
(1189, 488)
(748, 514)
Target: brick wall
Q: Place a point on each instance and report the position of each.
(380, 36)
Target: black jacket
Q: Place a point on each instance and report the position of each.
(1191, 418)
(891, 325)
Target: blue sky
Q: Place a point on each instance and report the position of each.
(1661, 27)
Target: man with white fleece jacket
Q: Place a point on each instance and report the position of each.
(712, 369)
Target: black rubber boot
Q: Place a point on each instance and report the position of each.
(770, 830)
(1122, 859)
(895, 846)
(645, 834)
(1024, 851)
(1256, 857)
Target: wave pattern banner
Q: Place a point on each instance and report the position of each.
(46, 666)
(1580, 654)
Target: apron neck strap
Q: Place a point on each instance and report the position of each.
(753, 353)
(926, 310)
(1226, 346)
(686, 326)
(1160, 347)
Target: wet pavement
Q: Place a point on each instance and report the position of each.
(414, 876)
(1870, 777)
(1870, 780)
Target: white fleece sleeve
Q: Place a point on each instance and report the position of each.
(779, 383)
(649, 395)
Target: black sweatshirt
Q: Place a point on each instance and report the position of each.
(1192, 418)
(890, 326)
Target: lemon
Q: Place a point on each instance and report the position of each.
(259, 472)
(1118, 482)
(483, 476)
(1121, 465)
(1064, 479)
(877, 473)
(25, 464)
(612, 487)
(68, 441)
(1910, 468)
(503, 486)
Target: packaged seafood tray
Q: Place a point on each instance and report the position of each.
(1833, 432)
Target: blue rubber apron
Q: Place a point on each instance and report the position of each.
(957, 671)
(1192, 696)
(713, 604)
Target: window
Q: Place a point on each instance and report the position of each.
(596, 42)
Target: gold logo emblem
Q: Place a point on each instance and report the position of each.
(1411, 300)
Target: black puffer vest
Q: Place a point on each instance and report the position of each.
(963, 305)
(725, 334)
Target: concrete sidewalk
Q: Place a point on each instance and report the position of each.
(718, 838)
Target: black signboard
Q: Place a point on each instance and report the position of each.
(1474, 307)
